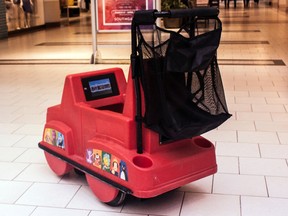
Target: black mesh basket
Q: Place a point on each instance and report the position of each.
(183, 91)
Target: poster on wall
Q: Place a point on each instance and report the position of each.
(116, 15)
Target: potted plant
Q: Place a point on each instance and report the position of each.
(170, 5)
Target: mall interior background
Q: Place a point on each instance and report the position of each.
(19, 15)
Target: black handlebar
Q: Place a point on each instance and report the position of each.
(195, 12)
(148, 17)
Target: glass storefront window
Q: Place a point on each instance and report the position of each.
(22, 14)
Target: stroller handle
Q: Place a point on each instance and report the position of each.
(194, 12)
(148, 17)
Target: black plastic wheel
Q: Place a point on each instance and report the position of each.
(119, 199)
(105, 192)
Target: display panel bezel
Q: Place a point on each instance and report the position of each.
(108, 92)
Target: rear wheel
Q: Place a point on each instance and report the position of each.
(58, 166)
(105, 192)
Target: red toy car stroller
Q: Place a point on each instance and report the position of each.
(142, 137)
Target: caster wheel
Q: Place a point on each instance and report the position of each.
(58, 166)
(104, 192)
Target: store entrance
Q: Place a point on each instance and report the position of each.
(23, 14)
(72, 11)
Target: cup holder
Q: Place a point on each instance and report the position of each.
(202, 142)
(142, 161)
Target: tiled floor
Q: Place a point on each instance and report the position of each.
(251, 148)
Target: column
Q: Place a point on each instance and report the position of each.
(3, 21)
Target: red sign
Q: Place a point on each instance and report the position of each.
(118, 14)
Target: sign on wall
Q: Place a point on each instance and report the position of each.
(118, 14)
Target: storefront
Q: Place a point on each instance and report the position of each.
(21, 14)
(111, 24)
(25, 14)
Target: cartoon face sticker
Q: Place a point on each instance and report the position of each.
(106, 161)
(89, 156)
(123, 171)
(115, 167)
(48, 136)
(60, 140)
(97, 159)
(54, 137)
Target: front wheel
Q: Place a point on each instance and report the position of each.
(58, 166)
(105, 192)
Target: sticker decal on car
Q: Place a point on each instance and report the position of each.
(54, 138)
(107, 162)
